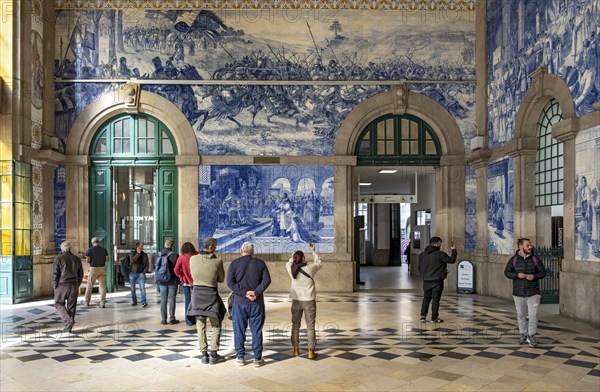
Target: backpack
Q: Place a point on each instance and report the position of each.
(163, 273)
(534, 258)
(125, 266)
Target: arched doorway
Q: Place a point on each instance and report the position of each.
(133, 184)
(395, 159)
(447, 166)
(182, 181)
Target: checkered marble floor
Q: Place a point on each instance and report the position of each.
(366, 341)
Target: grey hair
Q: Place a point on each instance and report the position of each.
(169, 244)
(248, 248)
(65, 246)
(208, 242)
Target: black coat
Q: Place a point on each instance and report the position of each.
(433, 263)
(205, 302)
(524, 287)
(67, 268)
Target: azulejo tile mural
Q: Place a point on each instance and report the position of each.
(301, 76)
(501, 207)
(525, 35)
(587, 195)
(407, 5)
(279, 208)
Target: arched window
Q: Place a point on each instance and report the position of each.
(549, 158)
(398, 139)
(141, 137)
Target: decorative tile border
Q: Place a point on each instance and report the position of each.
(375, 5)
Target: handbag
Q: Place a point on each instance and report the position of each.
(232, 294)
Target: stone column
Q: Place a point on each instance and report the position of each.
(480, 255)
(77, 196)
(450, 207)
(188, 199)
(524, 189)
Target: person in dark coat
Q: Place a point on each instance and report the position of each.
(433, 266)
(248, 278)
(168, 289)
(66, 278)
(526, 270)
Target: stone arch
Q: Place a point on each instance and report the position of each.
(442, 123)
(131, 100)
(545, 87)
(449, 175)
(103, 109)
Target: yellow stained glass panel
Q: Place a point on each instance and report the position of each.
(6, 243)
(5, 220)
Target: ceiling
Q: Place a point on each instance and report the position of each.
(400, 183)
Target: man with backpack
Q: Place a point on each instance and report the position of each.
(526, 269)
(167, 281)
(136, 266)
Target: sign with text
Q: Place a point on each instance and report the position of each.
(392, 199)
(465, 277)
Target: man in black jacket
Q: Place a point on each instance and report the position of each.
(526, 269)
(433, 268)
(139, 265)
(66, 278)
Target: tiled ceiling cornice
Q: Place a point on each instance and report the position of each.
(402, 5)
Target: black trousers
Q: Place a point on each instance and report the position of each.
(65, 301)
(432, 291)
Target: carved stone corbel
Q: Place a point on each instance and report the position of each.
(400, 98)
(131, 96)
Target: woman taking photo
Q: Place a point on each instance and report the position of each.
(304, 296)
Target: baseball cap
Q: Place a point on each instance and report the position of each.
(95, 240)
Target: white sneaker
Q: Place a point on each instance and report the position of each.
(240, 361)
(259, 362)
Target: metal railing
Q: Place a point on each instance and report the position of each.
(550, 285)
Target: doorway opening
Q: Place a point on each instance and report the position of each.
(133, 187)
(394, 191)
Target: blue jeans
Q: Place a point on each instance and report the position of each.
(167, 292)
(141, 282)
(187, 293)
(244, 314)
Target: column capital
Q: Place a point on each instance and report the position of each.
(77, 160)
(479, 158)
(567, 129)
(187, 160)
(51, 157)
(522, 146)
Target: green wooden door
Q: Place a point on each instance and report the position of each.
(167, 205)
(101, 213)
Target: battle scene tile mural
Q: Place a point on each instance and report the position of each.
(279, 208)
(305, 74)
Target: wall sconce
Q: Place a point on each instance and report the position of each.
(123, 196)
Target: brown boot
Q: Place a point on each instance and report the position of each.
(311, 353)
(296, 351)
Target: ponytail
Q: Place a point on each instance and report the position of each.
(298, 258)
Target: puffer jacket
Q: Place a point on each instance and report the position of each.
(67, 268)
(523, 287)
(433, 263)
